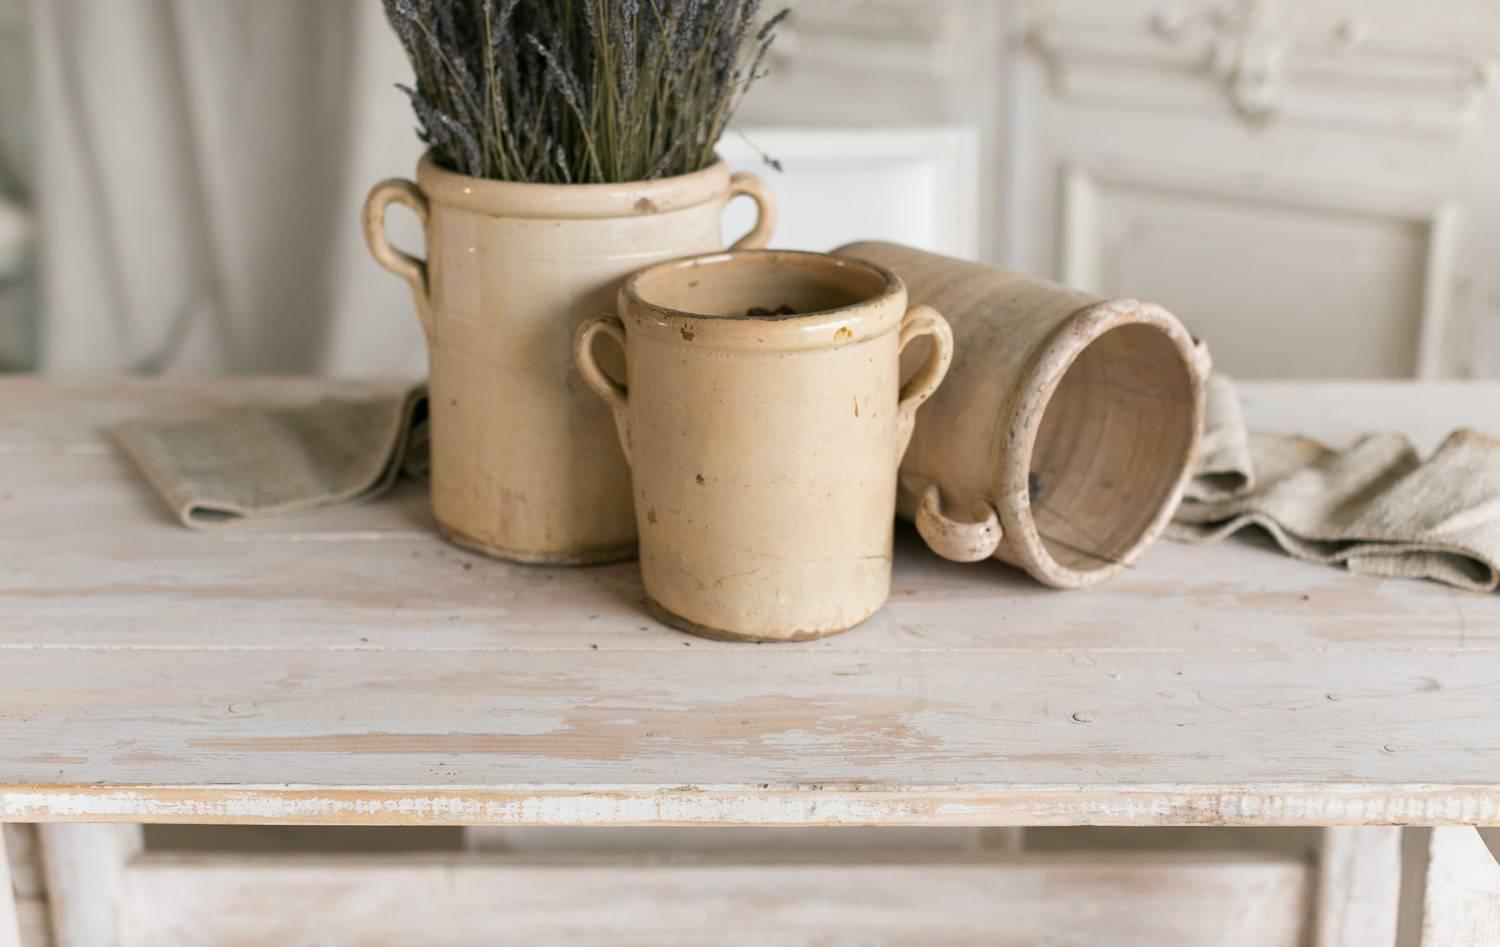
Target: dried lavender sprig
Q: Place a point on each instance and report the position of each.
(608, 89)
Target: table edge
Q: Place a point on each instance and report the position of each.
(1296, 804)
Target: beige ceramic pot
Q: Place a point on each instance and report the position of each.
(1066, 431)
(525, 464)
(765, 446)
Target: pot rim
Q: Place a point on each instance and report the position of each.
(572, 201)
(1014, 448)
(867, 318)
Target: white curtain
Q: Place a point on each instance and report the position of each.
(201, 168)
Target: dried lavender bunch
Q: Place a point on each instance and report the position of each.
(579, 91)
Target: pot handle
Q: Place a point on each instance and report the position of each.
(1203, 360)
(614, 393)
(404, 265)
(919, 321)
(758, 190)
(958, 541)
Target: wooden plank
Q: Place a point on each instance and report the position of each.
(36, 927)
(110, 584)
(100, 563)
(85, 866)
(1461, 907)
(790, 737)
(1416, 848)
(742, 841)
(103, 562)
(351, 667)
(1359, 887)
(25, 859)
(1058, 900)
(10, 922)
(20, 840)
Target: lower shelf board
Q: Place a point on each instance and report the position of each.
(1057, 899)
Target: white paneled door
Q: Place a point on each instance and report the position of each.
(1314, 187)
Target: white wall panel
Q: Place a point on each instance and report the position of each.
(1361, 286)
(1309, 185)
(917, 186)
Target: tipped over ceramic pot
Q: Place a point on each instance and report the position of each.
(1066, 431)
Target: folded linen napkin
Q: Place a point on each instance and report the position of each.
(1376, 506)
(251, 463)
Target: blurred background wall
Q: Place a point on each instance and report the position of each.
(1312, 186)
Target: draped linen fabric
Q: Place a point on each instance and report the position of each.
(201, 165)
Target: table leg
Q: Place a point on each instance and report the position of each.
(1359, 887)
(10, 922)
(1461, 904)
(85, 869)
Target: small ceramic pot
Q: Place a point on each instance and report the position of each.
(1068, 427)
(525, 465)
(764, 421)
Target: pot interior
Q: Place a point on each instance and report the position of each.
(756, 285)
(1114, 442)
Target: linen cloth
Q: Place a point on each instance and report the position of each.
(251, 463)
(1375, 506)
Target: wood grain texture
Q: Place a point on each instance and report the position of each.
(743, 841)
(86, 868)
(1359, 887)
(351, 667)
(1064, 901)
(1461, 907)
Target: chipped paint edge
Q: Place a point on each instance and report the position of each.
(1289, 805)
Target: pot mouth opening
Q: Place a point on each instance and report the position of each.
(767, 286)
(577, 201)
(1103, 447)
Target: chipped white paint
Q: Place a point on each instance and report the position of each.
(1359, 887)
(1461, 907)
(1121, 900)
(85, 868)
(1051, 805)
(378, 676)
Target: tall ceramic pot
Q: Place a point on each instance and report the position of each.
(1066, 431)
(525, 465)
(765, 444)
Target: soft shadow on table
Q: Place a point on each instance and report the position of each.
(914, 564)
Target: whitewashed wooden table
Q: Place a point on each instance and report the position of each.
(351, 667)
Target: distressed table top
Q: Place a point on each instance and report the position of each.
(351, 667)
